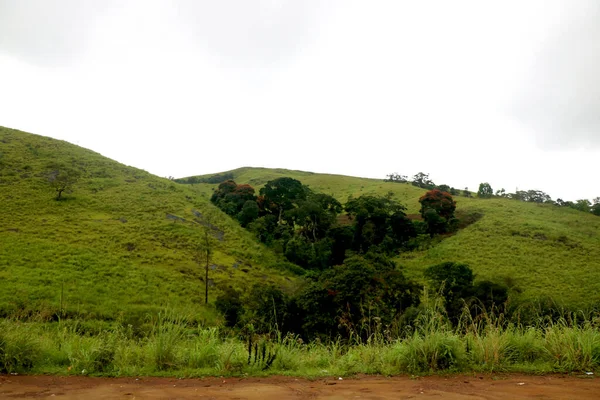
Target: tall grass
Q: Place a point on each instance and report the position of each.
(174, 346)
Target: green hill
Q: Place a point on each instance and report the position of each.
(538, 249)
(124, 241)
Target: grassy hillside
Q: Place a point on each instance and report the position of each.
(538, 249)
(122, 241)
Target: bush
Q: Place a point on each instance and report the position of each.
(442, 350)
(19, 348)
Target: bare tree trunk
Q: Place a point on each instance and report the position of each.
(207, 243)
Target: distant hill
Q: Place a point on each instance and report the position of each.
(538, 249)
(123, 241)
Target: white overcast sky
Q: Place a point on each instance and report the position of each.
(501, 91)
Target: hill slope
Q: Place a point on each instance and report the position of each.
(123, 241)
(539, 249)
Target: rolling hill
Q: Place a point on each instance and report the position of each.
(537, 249)
(123, 242)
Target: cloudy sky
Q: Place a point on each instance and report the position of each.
(501, 91)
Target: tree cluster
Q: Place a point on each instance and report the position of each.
(540, 197)
(366, 294)
(305, 226)
(423, 181)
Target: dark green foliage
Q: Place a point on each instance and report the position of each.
(343, 299)
(233, 198)
(314, 216)
(238, 201)
(283, 194)
(266, 308)
(489, 295)
(454, 282)
(342, 238)
(596, 207)
(378, 220)
(264, 228)
(229, 303)
(485, 191)
(437, 209)
(249, 213)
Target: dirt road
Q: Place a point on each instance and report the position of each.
(451, 387)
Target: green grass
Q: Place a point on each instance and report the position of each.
(539, 250)
(108, 248)
(176, 347)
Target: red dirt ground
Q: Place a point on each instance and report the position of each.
(435, 387)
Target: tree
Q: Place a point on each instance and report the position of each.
(62, 179)
(249, 213)
(485, 191)
(396, 178)
(437, 209)
(422, 180)
(376, 218)
(596, 207)
(230, 305)
(283, 193)
(343, 299)
(532, 196)
(314, 216)
(583, 205)
(231, 198)
(454, 281)
(501, 193)
(204, 253)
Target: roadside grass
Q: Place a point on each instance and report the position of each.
(175, 347)
(539, 250)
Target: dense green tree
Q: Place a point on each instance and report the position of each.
(485, 191)
(264, 228)
(266, 308)
(375, 218)
(344, 299)
(437, 210)
(583, 205)
(488, 295)
(283, 193)
(596, 207)
(342, 238)
(314, 216)
(231, 199)
(249, 213)
(229, 303)
(454, 281)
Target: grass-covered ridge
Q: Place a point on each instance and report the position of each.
(539, 249)
(123, 241)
